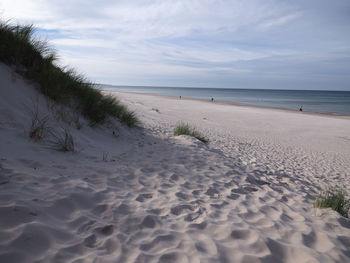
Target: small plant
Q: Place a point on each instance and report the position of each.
(185, 129)
(335, 199)
(129, 118)
(39, 127)
(105, 156)
(63, 142)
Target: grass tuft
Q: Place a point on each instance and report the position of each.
(34, 59)
(335, 199)
(185, 129)
(39, 127)
(63, 142)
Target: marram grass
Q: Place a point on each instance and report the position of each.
(335, 199)
(186, 129)
(35, 60)
(63, 142)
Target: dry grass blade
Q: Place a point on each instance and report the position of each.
(63, 142)
(39, 127)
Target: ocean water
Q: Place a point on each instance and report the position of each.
(333, 102)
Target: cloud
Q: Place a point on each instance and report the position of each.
(177, 42)
(278, 21)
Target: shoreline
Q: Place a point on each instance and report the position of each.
(237, 104)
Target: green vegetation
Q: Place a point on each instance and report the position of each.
(335, 199)
(185, 129)
(35, 60)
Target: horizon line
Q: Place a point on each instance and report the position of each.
(196, 87)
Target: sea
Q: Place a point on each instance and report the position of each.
(330, 102)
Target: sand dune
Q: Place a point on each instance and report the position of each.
(146, 196)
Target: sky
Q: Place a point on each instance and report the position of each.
(270, 44)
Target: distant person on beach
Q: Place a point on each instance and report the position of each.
(212, 99)
(301, 108)
(180, 97)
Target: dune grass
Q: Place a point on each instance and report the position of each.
(186, 129)
(335, 199)
(35, 60)
(39, 128)
(63, 141)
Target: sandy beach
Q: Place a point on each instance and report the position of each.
(144, 195)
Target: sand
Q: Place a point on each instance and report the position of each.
(143, 195)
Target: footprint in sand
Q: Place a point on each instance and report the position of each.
(180, 209)
(213, 193)
(205, 245)
(197, 216)
(244, 234)
(199, 226)
(183, 196)
(149, 222)
(173, 257)
(106, 230)
(144, 197)
(90, 241)
(175, 177)
(159, 243)
(318, 241)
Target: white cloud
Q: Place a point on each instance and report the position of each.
(24, 10)
(188, 39)
(279, 21)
